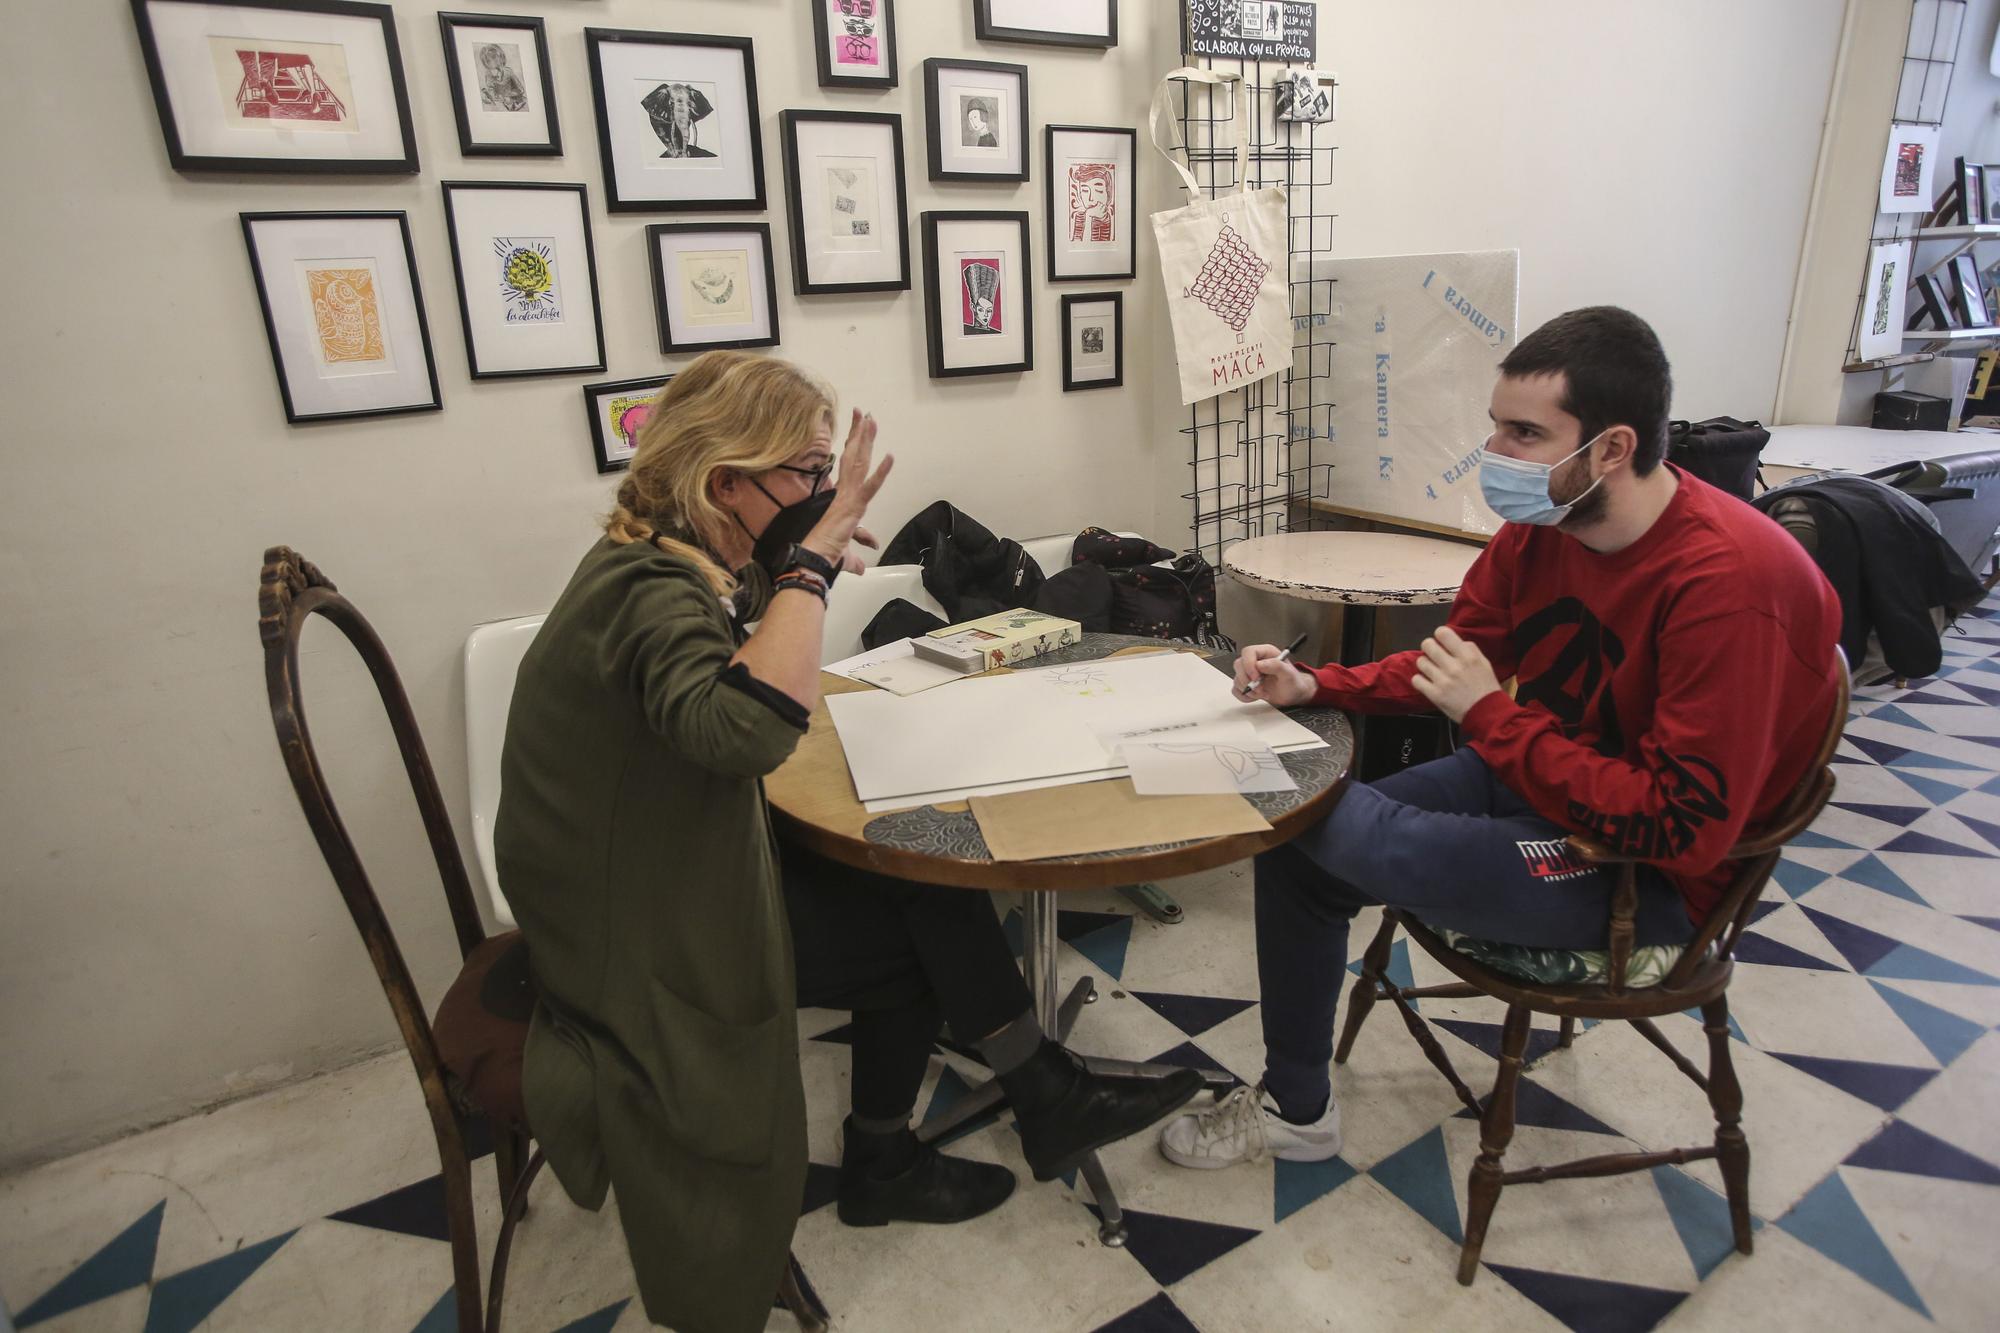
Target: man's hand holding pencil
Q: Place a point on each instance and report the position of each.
(1265, 671)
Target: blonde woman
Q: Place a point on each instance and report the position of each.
(635, 848)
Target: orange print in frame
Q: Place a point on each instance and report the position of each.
(345, 314)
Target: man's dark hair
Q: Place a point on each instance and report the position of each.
(1614, 371)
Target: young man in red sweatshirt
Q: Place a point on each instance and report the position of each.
(1674, 652)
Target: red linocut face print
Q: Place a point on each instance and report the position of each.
(979, 294)
(283, 85)
(1092, 200)
(854, 24)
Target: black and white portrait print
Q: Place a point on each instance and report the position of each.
(1093, 339)
(677, 111)
(501, 87)
(978, 120)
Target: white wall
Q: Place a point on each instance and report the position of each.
(172, 937)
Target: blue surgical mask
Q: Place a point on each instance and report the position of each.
(1518, 490)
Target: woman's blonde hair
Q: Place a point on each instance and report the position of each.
(726, 410)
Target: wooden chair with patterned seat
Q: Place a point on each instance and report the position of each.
(467, 1058)
(1698, 979)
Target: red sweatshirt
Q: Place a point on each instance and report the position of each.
(1670, 694)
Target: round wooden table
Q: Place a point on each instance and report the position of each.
(813, 804)
(1353, 568)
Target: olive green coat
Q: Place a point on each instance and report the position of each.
(634, 847)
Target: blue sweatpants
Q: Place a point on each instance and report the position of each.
(1448, 842)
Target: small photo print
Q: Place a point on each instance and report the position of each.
(529, 291)
(716, 284)
(682, 116)
(347, 317)
(624, 414)
(851, 197)
(1093, 196)
(979, 295)
(978, 120)
(289, 85)
(1091, 337)
(854, 28)
(502, 86)
(1254, 20)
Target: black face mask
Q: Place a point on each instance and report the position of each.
(787, 527)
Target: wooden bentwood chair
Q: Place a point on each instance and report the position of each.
(468, 1060)
(1700, 978)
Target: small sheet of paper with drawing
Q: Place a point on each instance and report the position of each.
(1226, 757)
(1103, 817)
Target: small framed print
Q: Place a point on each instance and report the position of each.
(1093, 340)
(713, 285)
(1990, 173)
(527, 277)
(278, 85)
(977, 114)
(1047, 22)
(977, 311)
(1968, 296)
(343, 312)
(1934, 304)
(1971, 182)
(1088, 173)
(854, 43)
(849, 204)
(503, 94)
(677, 120)
(617, 410)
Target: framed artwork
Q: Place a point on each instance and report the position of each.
(1936, 304)
(1280, 30)
(1907, 168)
(1882, 316)
(1966, 292)
(1990, 212)
(503, 92)
(977, 113)
(343, 312)
(677, 120)
(854, 43)
(849, 204)
(713, 285)
(1093, 331)
(977, 312)
(1970, 178)
(616, 410)
(527, 277)
(278, 85)
(1047, 22)
(1090, 194)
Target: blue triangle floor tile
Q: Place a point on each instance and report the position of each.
(1991, 788)
(182, 1301)
(1071, 924)
(1861, 947)
(1796, 877)
(1906, 962)
(1934, 790)
(1944, 1034)
(1187, 1055)
(1829, 1220)
(840, 1036)
(1755, 948)
(1871, 871)
(1883, 1086)
(1192, 1014)
(441, 1317)
(1296, 1184)
(1760, 910)
(1537, 1107)
(1821, 841)
(414, 1210)
(120, 1264)
(1900, 815)
(1880, 751)
(1990, 922)
(1593, 1305)
(1399, 964)
(1990, 832)
(1913, 841)
(598, 1321)
(1420, 1175)
(1159, 1315)
(1918, 759)
(1903, 1147)
(1735, 1028)
(1891, 713)
(1486, 1036)
(1984, 693)
(1928, 696)
(950, 1090)
(1700, 1216)
(1106, 947)
(822, 1183)
(1170, 1248)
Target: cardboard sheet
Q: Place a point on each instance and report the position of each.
(1103, 817)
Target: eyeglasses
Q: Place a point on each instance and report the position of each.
(818, 474)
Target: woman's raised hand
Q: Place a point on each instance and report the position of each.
(855, 484)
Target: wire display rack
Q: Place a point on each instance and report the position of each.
(1251, 449)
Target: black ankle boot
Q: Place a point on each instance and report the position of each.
(921, 1184)
(1065, 1112)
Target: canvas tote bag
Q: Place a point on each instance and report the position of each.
(1224, 263)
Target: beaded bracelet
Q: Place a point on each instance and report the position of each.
(799, 579)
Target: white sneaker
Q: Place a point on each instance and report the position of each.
(1246, 1126)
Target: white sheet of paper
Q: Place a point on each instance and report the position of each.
(869, 657)
(1034, 725)
(1224, 758)
(908, 674)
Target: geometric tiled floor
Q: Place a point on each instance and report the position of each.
(1867, 998)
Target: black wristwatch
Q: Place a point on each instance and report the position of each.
(804, 557)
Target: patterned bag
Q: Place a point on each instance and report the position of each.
(1224, 262)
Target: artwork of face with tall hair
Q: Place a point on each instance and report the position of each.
(1092, 192)
(979, 289)
(500, 85)
(677, 111)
